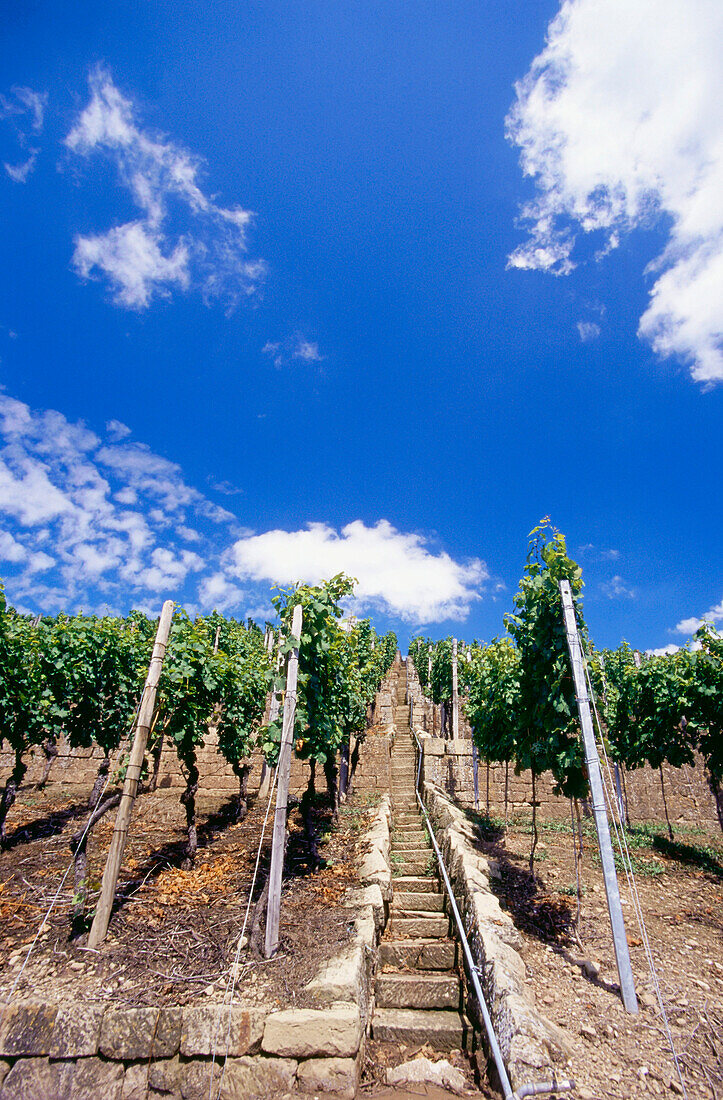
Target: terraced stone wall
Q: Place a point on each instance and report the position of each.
(448, 765)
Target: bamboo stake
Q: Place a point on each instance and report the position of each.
(610, 878)
(99, 927)
(282, 794)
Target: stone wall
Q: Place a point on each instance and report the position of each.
(85, 1050)
(448, 764)
(532, 1046)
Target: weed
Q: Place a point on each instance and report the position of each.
(646, 868)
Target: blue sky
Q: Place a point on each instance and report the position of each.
(289, 289)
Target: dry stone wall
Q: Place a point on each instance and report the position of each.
(448, 764)
(531, 1045)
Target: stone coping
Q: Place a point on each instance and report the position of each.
(530, 1043)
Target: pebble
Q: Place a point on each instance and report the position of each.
(643, 1072)
(584, 1093)
(588, 1032)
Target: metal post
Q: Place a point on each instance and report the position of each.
(475, 774)
(617, 924)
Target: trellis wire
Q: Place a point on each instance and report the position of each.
(621, 839)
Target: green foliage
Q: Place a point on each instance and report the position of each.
(340, 668)
(493, 685)
(25, 704)
(441, 685)
(93, 671)
(419, 652)
(191, 684)
(242, 668)
(548, 732)
(705, 699)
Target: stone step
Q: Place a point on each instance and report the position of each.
(421, 901)
(442, 1030)
(411, 867)
(411, 883)
(419, 954)
(410, 836)
(416, 844)
(424, 927)
(417, 990)
(420, 851)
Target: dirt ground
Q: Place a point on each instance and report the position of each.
(680, 885)
(174, 933)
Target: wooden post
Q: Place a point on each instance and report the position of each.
(274, 708)
(429, 673)
(455, 691)
(130, 787)
(617, 924)
(278, 843)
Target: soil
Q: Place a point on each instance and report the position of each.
(174, 933)
(680, 886)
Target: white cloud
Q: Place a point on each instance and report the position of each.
(117, 430)
(689, 626)
(130, 257)
(114, 516)
(663, 651)
(263, 613)
(617, 588)
(587, 331)
(218, 593)
(307, 350)
(619, 124)
(87, 522)
(144, 258)
(395, 571)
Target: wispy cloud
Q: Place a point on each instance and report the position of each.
(26, 109)
(590, 552)
(613, 142)
(587, 331)
(282, 352)
(617, 589)
(85, 520)
(396, 571)
(146, 257)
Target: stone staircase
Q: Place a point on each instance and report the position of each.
(417, 991)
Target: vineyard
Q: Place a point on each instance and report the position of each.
(115, 894)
